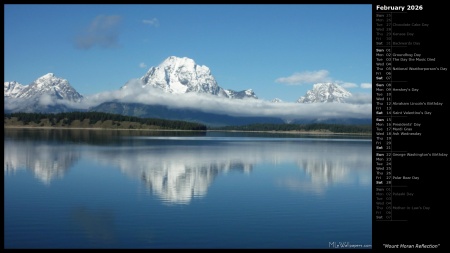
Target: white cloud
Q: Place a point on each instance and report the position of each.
(357, 106)
(361, 106)
(151, 22)
(46, 100)
(366, 85)
(306, 77)
(359, 98)
(102, 31)
(348, 85)
(142, 65)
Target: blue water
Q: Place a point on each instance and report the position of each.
(131, 189)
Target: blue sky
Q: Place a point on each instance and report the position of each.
(276, 50)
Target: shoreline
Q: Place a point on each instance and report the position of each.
(176, 130)
(95, 128)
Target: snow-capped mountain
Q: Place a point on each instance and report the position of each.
(182, 75)
(12, 89)
(51, 85)
(241, 94)
(325, 93)
(48, 93)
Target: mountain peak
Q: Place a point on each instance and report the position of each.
(240, 94)
(51, 85)
(49, 80)
(182, 75)
(171, 59)
(48, 75)
(325, 93)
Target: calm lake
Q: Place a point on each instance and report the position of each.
(142, 189)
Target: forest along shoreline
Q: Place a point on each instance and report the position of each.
(106, 121)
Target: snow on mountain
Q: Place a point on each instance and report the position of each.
(12, 89)
(241, 94)
(325, 93)
(182, 75)
(276, 100)
(49, 84)
(46, 94)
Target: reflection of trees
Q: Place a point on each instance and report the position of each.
(47, 162)
(88, 136)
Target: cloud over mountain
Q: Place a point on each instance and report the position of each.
(299, 78)
(180, 83)
(362, 108)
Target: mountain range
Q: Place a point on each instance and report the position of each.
(175, 75)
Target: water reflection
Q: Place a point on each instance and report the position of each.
(332, 170)
(229, 191)
(178, 183)
(97, 225)
(177, 171)
(47, 162)
(87, 136)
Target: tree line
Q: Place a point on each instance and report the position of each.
(66, 118)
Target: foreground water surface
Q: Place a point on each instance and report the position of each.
(133, 189)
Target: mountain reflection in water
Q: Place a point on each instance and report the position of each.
(178, 169)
